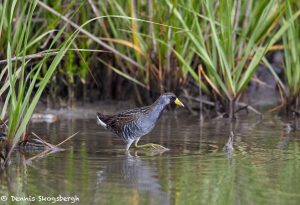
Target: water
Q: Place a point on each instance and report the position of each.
(264, 167)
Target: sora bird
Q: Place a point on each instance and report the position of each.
(132, 124)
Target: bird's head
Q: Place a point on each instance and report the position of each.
(168, 98)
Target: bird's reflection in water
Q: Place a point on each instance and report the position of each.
(131, 176)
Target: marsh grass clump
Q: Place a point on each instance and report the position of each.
(231, 45)
(291, 41)
(21, 77)
(144, 48)
(141, 49)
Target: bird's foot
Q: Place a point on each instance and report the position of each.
(152, 146)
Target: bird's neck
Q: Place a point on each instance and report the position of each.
(157, 108)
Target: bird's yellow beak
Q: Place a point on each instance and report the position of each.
(178, 102)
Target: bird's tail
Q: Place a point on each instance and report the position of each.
(100, 120)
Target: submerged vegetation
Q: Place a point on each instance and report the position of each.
(92, 50)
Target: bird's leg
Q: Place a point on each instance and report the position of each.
(149, 145)
(128, 144)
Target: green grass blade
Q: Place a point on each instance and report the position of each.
(262, 51)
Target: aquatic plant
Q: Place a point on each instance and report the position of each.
(229, 44)
(199, 40)
(291, 44)
(149, 37)
(153, 46)
(24, 90)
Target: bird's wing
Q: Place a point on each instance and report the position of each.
(117, 122)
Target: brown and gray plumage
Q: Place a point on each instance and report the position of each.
(132, 124)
